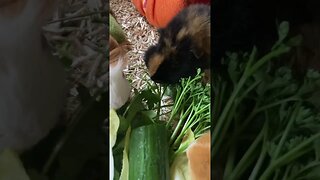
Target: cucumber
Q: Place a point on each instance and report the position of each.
(148, 153)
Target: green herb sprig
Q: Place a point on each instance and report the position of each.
(264, 124)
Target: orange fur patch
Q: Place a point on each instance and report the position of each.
(199, 158)
(112, 43)
(154, 63)
(117, 51)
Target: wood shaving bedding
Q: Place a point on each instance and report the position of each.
(140, 34)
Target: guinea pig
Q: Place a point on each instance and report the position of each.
(183, 46)
(119, 86)
(32, 80)
(198, 154)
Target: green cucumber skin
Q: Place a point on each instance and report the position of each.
(148, 153)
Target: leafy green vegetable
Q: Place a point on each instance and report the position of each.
(114, 125)
(11, 166)
(191, 109)
(187, 118)
(264, 125)
(125, 161)
(186, 141)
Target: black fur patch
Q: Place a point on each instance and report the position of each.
(181, 56)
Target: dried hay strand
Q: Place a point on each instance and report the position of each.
(77, 35)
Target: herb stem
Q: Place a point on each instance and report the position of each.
(254, 173)
(181, 120)
(225, 113)
(247, 158)
(230, 162)
(263, 108)
(296, 152)
(277, 52)
(224, 131)
(286, 132)
(271, 105)
(247, 73)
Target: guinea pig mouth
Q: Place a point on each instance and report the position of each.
(156, 80)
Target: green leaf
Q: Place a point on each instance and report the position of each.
(113, 127)
(313, 174)
(186, 141)
(151, 98)
(317, 149)
(141, 119)
(171, 91)
(270, 102)
(283, 30)
(11, 168)
(125, 161)
(233, 68)
(150, 114)
(124, 125)
(116, 30)
(295, 41)
(134, 107)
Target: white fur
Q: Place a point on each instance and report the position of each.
(32, 82)
(119, 86)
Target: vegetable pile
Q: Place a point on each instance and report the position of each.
(152, 143)
(266, 122)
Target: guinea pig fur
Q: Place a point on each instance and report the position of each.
(119, 86)
(198, 154)
(183, 46)
(32, 81)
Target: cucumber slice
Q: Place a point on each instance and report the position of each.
(148, 153)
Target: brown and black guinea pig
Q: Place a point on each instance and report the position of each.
(183, 46)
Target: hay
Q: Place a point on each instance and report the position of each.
(77, 35)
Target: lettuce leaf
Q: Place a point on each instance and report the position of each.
(11, 166)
